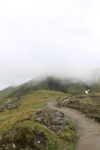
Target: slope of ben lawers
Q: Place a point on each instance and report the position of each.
(26, 123)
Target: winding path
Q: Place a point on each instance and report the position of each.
(88, 130)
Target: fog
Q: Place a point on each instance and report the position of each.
(60, 38)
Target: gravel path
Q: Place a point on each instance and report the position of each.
(86, 127)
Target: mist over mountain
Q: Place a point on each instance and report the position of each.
(89, 78)
(71, 86)
(49, 38)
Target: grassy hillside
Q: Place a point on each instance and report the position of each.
(17, 126)
(7, 91)
(30, 102)
(18, 107)
(50, 83)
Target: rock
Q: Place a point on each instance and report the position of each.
(3, 145)
(9, 101)
(52, 119)
(14, 146)
(38, 119)
(38, 142)
(11, 106)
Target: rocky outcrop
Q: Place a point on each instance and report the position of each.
(10, 106)
(54, 120)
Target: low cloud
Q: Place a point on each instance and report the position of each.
(48, 38)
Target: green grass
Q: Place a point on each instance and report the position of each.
(29, 105)
(33, 98)
(24, 132)
(53, 142)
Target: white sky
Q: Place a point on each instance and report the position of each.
(60, 37)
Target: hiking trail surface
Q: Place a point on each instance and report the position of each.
(88, 131)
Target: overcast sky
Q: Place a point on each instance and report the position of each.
(38, 37)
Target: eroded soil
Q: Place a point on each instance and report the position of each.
(88, 105)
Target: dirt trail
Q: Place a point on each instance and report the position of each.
(88, 130)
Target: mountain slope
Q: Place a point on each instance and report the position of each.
(50, 83)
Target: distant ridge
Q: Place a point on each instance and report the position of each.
(50, 83)
(7, 89)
